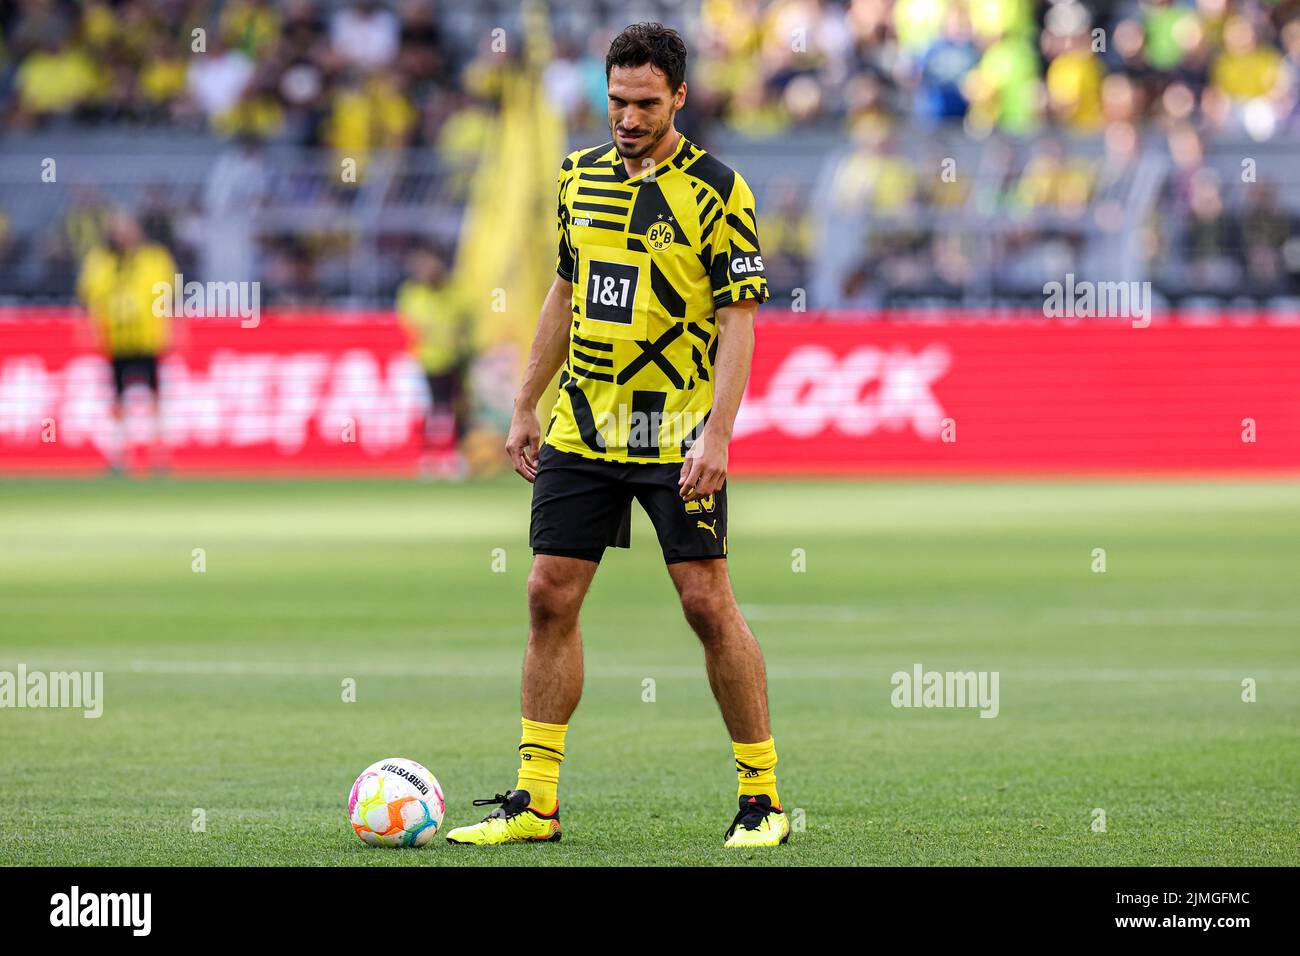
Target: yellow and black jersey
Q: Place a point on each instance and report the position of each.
(651, 258)
(119, 291)
(433, 318)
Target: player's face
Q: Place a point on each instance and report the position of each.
(641, 108)
(124, 232)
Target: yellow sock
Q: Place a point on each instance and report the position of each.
(756, 769)
(541, 751)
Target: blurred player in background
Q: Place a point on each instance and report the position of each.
(119, 286)
(429, 308)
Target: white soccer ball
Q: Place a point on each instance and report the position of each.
(396, 802)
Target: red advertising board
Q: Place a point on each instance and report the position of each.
(339, 393)
(296, 393)
(1021, 397)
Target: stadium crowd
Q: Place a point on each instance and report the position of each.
(354, 76)
(379, 73)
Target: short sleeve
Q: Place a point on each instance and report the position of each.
(86, 280)
(737, 270)
(564, 260)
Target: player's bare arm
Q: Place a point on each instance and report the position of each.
(550, 345)
(705, 467)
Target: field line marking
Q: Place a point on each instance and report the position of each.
(1141, 617)
(878, 674)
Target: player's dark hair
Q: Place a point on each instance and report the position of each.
(652, 43)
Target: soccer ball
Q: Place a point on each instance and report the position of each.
(396, 802)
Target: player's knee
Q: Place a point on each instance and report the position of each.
(706, 611)
(552, 601)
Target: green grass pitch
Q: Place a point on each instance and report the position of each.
(1119, 691)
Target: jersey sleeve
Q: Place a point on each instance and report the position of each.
(565, 261)
(88, 279)
(162, 268)
(737, 270)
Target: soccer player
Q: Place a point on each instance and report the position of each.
(650, 323)
(427, 307)
(119, 285)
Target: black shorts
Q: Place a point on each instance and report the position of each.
(581, 506)
(134, 368)
(444, 389)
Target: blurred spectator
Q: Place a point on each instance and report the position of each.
(877, 177)
(787, 239)
(944, 65)
(1005, 88)
(1264, 232)
(365, 34)
(162, 80)
(1074, 75)
(251, 26)
(120, 285)
(218, 79)
(8, 247)
(566, 85)
(1208, 239)
(40, 23)
(56, 78)
(1052, 181)
(1245, 70)
(1118, 167)
(82, 228)
(367, 115)
(290, 275)
(421, 57)
(428, 307)
(1172, 31)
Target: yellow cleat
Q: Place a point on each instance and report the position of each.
(758, 824)
(511, 822)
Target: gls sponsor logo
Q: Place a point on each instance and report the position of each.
(745, 265)
(867, 390)
(103, 909)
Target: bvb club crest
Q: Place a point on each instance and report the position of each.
(660, 235)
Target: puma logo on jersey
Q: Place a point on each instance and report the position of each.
(710, 528)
